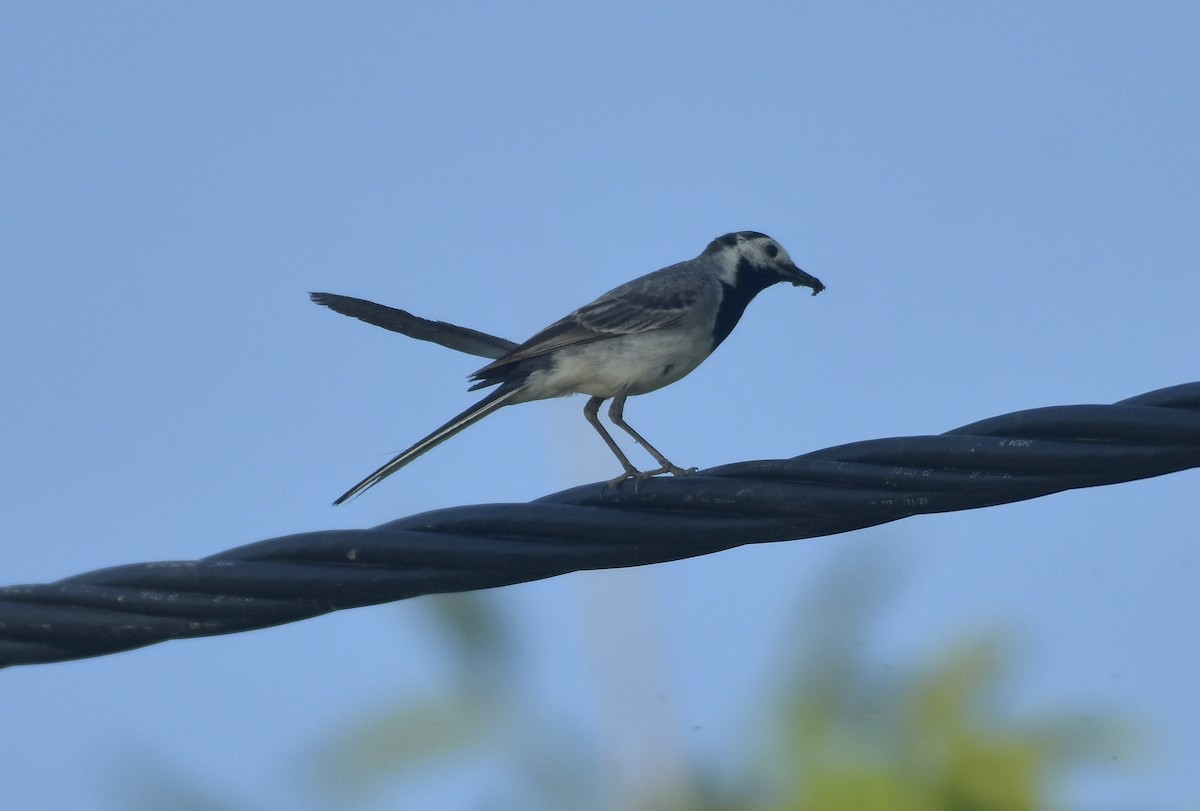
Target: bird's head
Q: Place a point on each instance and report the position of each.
(748, 257)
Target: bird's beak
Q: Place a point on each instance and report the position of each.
(799, 278)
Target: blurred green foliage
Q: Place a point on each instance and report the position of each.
(834, 733)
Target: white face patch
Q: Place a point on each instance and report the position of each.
(727, 262)
(759, 251)
(754, 250)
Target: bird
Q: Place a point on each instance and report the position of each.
(636, 338)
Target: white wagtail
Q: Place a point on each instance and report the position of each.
(634, 339)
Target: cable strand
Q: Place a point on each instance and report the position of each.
(1013, 457)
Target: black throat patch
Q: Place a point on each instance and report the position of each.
(750, 282)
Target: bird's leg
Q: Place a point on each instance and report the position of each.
(591, 412)
(616, 413)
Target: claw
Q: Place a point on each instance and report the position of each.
(640, 476)
(630, 473)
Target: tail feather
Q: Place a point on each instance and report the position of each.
(466, 419)
(463, 339)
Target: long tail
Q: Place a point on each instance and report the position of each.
(464, 339)
(469, 417)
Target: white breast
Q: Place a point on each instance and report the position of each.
(641, 363)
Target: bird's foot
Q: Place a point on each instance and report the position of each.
(630, 473)
(674, 470)
(640, 476)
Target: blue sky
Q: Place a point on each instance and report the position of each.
(1002, 200)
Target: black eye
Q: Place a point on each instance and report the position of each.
(772, 250)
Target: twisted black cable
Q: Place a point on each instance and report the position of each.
(1004, 459)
